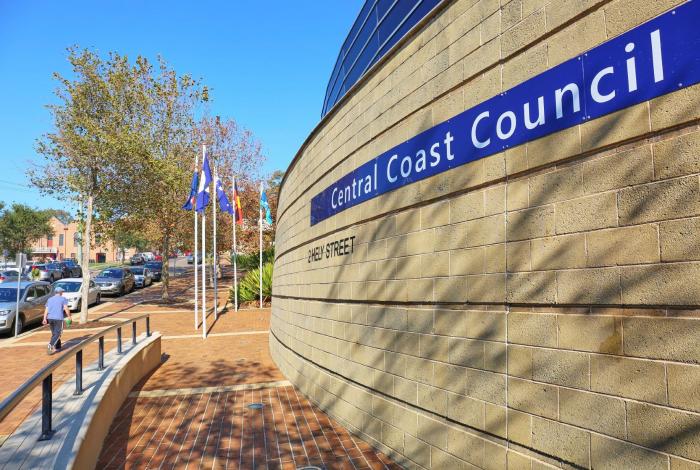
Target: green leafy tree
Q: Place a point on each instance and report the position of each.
(20, 226)
(97, 150)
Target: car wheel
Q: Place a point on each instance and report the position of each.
(98, 299)
(121, 291)
(20, 323)
(79, 305)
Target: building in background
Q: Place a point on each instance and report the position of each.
(65, 243)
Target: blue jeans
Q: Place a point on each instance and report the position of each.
(56, 331)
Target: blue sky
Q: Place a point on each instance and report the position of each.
(267, 63)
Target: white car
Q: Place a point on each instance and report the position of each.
(72, 291)
(148, 256)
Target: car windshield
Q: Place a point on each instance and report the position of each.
(138, 271)
(10, 295)
(68, 286)
(8, 274)
(110, 273)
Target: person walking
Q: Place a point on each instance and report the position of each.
(54, 313)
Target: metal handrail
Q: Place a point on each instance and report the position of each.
(45, 375)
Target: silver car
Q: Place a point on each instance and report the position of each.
(32, 300)
(11, 276)
(73, 292)
(142, 276)
(48, 272)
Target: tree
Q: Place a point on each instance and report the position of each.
(96, 151)
(21, 225)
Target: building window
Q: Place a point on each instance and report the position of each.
(76, 239)
(49, 240)
(60, 240)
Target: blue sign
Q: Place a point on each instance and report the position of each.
(655, 58)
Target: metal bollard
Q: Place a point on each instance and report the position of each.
(133, 333)
(148, 326)
(78, 373)
(46, 404)
(101, 355)
(119, 340)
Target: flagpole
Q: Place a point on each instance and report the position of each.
(235, 252)
(196, 233)
(213, 210)
(261, 297)
(204, 263)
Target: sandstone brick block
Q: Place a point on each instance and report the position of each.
(558, 367)
(586, 213)
(618, 170)
(664, 429)
(562, 11)
(486, 325)
(512, 13)
(523, 33)
(467, 261)
(419, 290)
(567, 442)
(434, 264)
(450, 322)
(680, 240)
(560, 252)
(451, 289)
(684, 386)
(495, 420)
(534, 329)
(518, 194)
(520, 361)
(393, 437)
(419, 369)
(670, 284)
(594, 333)
(580, 36)
(467, 206)
(593, 411)
(486, 288)
(467, 352)
(406, 390)
(419, 320)
(533, 398)
(451, 237)
(625, 245)
(494, 199)
(613, 454)
(495, 357)
(465, 410)
(615, 127)
(525, 65)
(465, 445)
(516, 159)
(630, 378)
(554, 147)
(557, 185)
(659, 201)
(434, 347)
(417, 450)
(440, 459)
(408, 267)
(520, 427)
(485, 231)
(450, 377)
(486, 386)
(588, 286)
(537, 287)
(530, 223)
(518, 256)
(432, 431)
(622, 15)
(407, 222)
(420, 242)
(435, 215)
(495, 258)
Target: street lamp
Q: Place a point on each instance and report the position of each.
(65, 241)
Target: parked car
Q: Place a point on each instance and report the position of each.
(117, 281)
(142, 276)
(156, 268)
(76, 270)
(73, 292)
(32, 299)
(137, 259)
(11, 276)
(190, 259)
(148, 256)
(66, 271)
(158, 258)
(49, 272)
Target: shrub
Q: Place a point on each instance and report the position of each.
(252, 261)
(249, 287)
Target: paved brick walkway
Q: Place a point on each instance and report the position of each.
(171, 421)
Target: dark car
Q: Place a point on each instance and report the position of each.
(76, 270)
(137, 259)
(117, 281)
(156, 268)
(62, 267)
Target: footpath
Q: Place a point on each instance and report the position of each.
(214, 403)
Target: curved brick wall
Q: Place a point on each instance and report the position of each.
(536, 307)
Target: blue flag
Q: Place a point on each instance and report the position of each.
(204, 183)
(224, 203)
(193, 192)
(266, 206)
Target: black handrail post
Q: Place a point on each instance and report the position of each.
(148, 326)
(101, 355)
(133, 333)
(79, 373)
(119, 340)
(46, 405)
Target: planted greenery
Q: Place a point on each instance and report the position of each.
(249, 287)
(252, 261)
